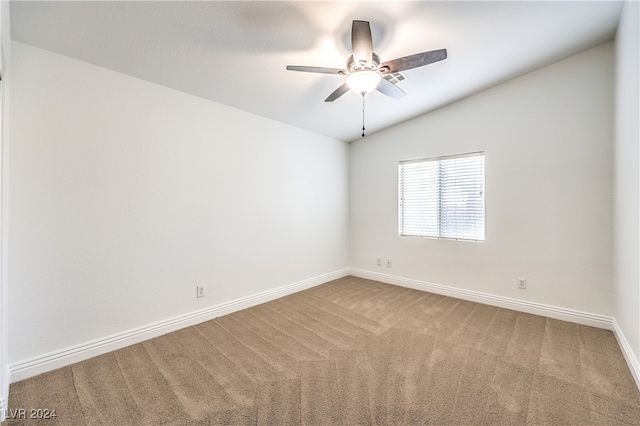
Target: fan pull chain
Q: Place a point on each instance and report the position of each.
(363, 115)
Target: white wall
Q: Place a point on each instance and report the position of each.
(547, 138)
(125, 195)
(627, 182)
(5, 58)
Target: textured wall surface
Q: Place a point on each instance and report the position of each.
(125, 195)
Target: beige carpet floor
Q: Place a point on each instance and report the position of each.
(350, 352)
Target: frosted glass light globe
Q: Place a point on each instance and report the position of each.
(363, 82)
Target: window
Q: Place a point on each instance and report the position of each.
(442, 197)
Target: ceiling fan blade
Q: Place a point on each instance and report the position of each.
(320, 70)
(390, 89)
(413, 61)
(361, 42)
(337, 93)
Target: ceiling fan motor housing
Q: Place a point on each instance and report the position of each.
(352, 66)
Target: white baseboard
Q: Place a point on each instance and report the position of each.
(555, 312)
(629, 356)
(40, 364)
(61, 358)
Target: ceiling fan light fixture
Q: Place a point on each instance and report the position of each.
(363, 82)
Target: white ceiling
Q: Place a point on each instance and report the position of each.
(235, 52)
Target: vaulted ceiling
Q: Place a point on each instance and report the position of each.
(235, 52)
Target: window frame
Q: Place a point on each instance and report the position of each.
(439, 205)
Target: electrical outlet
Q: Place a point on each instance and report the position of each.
(200, 291)
(379, 261)
(522, 283)
(388, 263)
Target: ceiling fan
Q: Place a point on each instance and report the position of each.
(364, 71)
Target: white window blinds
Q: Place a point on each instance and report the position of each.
(442, 197)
